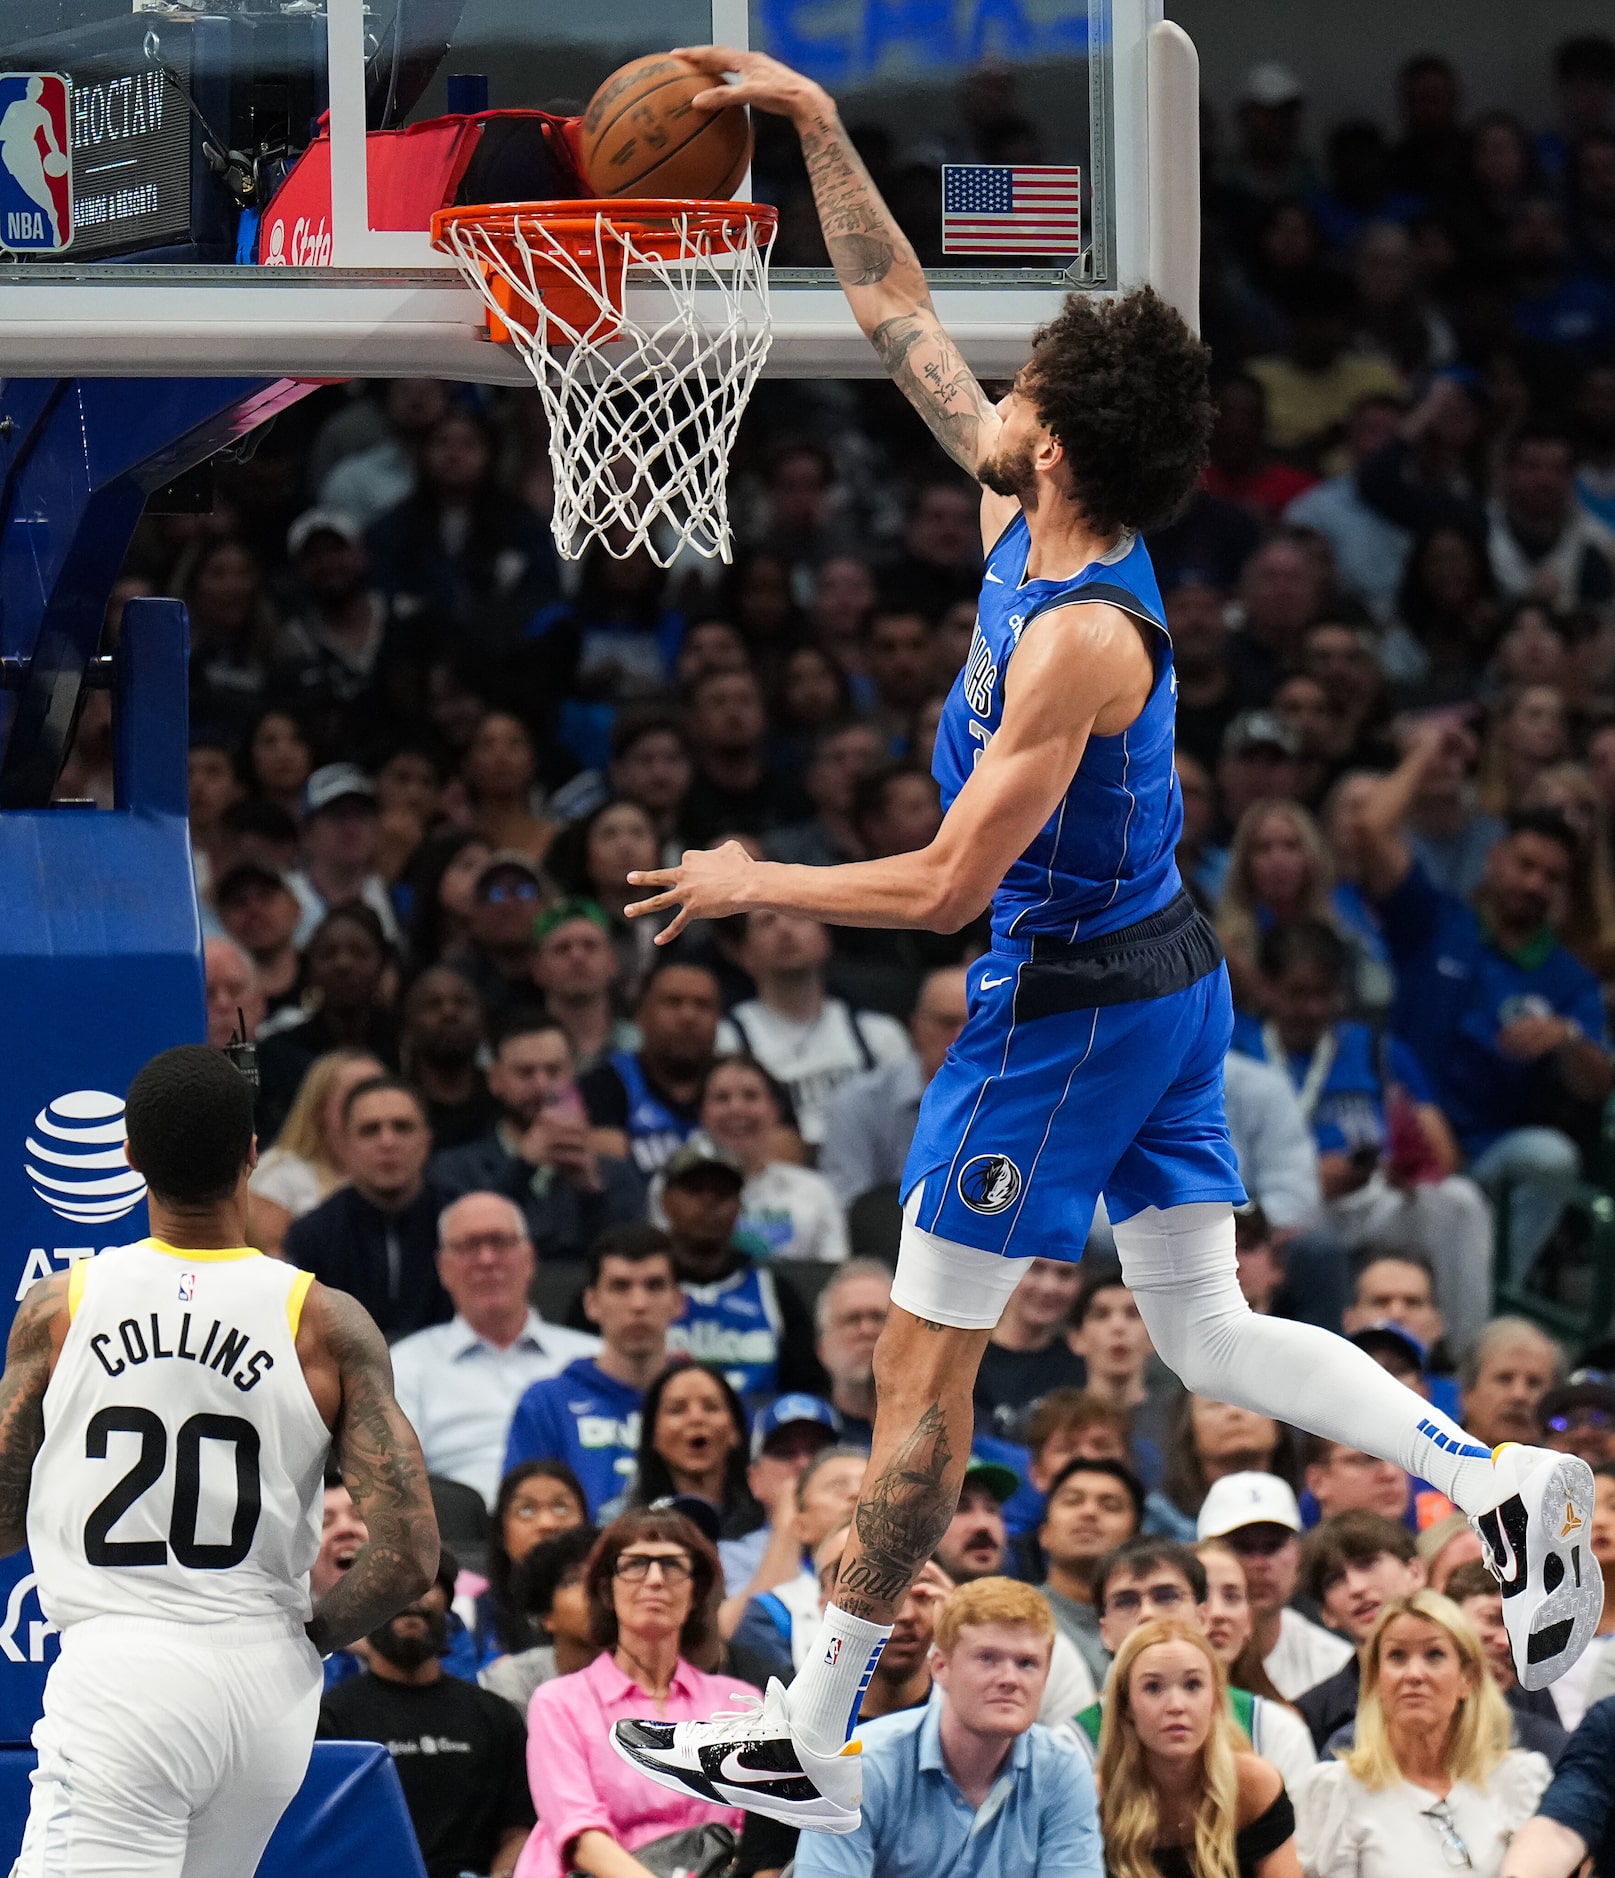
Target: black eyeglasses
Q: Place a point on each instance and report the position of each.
(677, 1567)
(517, 890)
(1580, 1418)
(1453, 1849)
(1159, 1597)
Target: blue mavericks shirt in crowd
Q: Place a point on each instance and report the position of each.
(1455, 990)
(1582, 1796)
(655, 1131)
(585, 1418)
(1349, 1110)
(1105, 857)
(736, 1324)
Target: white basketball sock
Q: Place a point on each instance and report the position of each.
(1179, 1265)
(829, 1688)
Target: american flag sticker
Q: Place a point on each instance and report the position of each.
(1011, 208)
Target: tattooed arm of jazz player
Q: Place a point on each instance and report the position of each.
(382, 1465)
(36, 1338)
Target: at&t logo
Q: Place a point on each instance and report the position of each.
(28, 1647)
(75, 1161)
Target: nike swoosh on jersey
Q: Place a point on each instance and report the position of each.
(992, 984)
(996, 579)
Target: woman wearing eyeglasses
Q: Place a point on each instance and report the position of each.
(1182, 1796)
(651, 1585)
(1432, 1784)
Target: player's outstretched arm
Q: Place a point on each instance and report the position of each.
(36, 1335)
(1072, 664)
(874, 260)
(381, 1462)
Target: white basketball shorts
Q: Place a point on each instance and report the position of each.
(169, 1750)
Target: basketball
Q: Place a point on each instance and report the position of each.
(56, 164)
(641, 136)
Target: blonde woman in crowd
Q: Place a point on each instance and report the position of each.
(1276, 1731)
(1181, 1796)
(1431, 1784)
(304, 1166)
(1528, 733)
(1280, 870)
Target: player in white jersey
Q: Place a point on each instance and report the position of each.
(166, 1417)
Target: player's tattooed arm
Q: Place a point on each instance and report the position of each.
(35, 1336)
(874, 260)
(900, 1521)
(381, 1461)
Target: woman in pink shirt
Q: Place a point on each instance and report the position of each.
(650, 1582)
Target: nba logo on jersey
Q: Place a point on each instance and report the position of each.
(187, 1287)
(36, 163)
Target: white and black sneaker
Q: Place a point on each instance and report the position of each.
(749, 1758)
(1536, 1541)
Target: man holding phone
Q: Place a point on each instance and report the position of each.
(1507, 1023)
(539, 1153)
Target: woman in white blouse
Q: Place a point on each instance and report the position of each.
(786, 1211)
(1432, 1784)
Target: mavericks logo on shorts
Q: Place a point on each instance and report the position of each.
(989, 1183)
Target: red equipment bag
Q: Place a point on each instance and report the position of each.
(486, 156)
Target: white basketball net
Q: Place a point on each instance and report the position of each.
(643, 405)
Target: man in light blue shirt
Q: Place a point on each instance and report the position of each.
(970, 1786)
(459, 1382)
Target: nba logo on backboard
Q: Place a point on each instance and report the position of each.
(36, 163)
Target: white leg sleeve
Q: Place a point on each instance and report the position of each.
(948, 1283)
(1179, 1264)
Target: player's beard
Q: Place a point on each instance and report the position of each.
(409, 1652)
(1010, 473)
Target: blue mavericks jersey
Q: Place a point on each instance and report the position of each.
(656, 1130)
(735, 1324)
(585, 1418)
(1105, 858)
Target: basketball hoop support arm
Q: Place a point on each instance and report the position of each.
(78, 458)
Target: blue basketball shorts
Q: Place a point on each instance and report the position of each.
(1036, 1111)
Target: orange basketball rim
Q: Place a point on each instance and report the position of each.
(575, 254)
(645, 323)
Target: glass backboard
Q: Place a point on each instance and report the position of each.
(245, 186)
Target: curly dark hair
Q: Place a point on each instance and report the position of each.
(1124, 389)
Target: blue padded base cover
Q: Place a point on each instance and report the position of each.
(347, 1821)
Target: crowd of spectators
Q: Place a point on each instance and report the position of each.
(424, 759)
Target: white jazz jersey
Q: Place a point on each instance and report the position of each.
(181, 1474)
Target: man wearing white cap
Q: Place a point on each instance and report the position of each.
(340, 820)
(1256, 1517)
(1269, 163)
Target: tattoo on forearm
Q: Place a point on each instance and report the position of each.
(868, 249)
(929, 370)
(901, 1519)
(381, 1461)
(22, 1404)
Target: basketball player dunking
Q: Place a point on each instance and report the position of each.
(166, 1415)
(1092, 1057)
